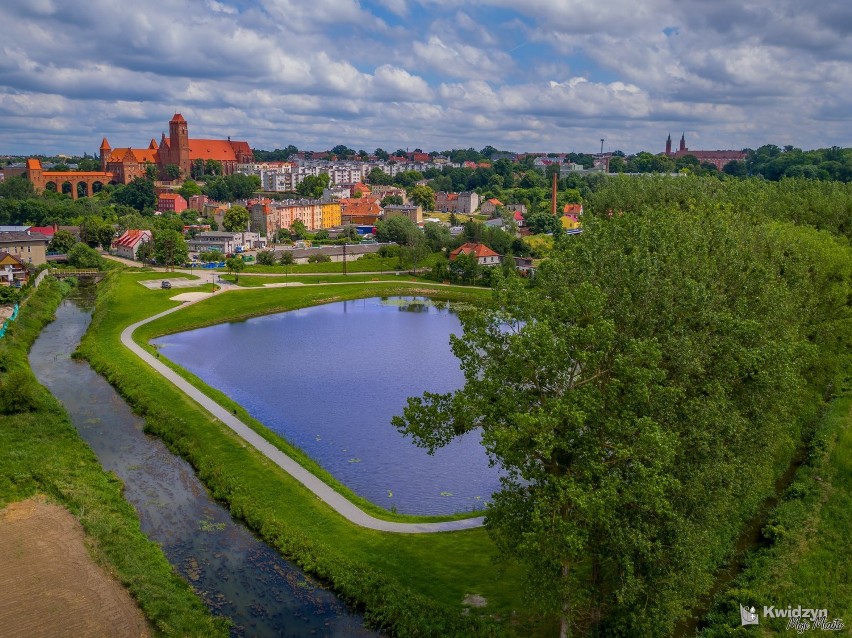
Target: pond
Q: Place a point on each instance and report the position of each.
(236, 574)
(329, 378)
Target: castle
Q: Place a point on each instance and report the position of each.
(123, 165)
(178, 149)
(718, 158)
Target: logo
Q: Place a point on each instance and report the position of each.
(748, 616)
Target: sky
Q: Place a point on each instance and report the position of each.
(520, 75)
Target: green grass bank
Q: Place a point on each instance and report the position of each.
(407, 585)
(805, 559)
(41, 453)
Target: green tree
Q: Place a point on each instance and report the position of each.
(266, 258)
(211, 256)
(414, 251)
(539, 223)
(389, 200)
(397, 229)
(313, 185)
(235, 265)
(378, 176)
(82, 256)
(189, 188)
(218, 190)
(242, 186)
(236, 219)
(465, 268)
(151, 172)
(212, 167)
(173, 171)
(437, 236)
(139, 194)
(62, 242)
(96, 232)
(170, 248)
(298, 229)
(422, 196)
(286, 258)
(318, 258)
(17, 187)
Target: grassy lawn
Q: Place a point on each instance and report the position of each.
(246, 280)
(807, 561)
(41, 453)
(386, 265)
(413, 584)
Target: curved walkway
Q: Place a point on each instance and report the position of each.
(336, 501)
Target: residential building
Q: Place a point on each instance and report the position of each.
(414, 213)
(465, 203)
(226, 242)
(571, 214)
(380, 191)
(268, 217)
(27, 246)
(128, 244)
(484, 255)
(489, 206)
(171, 202)
(12, 270)
(360, 210)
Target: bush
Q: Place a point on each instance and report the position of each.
(318, 258)
(266, 258)
(81, 256)
(286, 259)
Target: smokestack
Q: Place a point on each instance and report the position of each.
(553, 195)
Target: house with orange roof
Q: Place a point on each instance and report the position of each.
(360, 187)
(360, 210)
(12, 270)
(484, 255)
(571, 214)
(489, 206)
(128, 244)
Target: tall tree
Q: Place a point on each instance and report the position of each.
(170, 248)
(236, 219)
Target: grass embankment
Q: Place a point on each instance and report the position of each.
(251, 304)
(805, 560)
(411, 585)
(41, 453)
(258, 281)
(387, 265)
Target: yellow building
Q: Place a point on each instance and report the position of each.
(30, 248)
(331, 215)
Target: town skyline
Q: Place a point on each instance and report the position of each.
(542, 77)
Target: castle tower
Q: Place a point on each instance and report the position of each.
(669, 144)
(179, 144)
(682, 142)
(105, 152)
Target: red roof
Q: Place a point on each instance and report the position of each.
(47, 231)
(518, 216)
(573, 208)
(169, 196)
(105, 145)
(220, 150)
(495, 201)
(178, 118)
(480, 250)
(131, 237)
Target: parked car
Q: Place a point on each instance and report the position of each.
(166, 284)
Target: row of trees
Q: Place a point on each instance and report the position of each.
(645, 390)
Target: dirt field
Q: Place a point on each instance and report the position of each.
(49, 585)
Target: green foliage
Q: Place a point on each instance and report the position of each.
(170, 248)
(236, 219)
(286, 258)
(94, 231)
(313, 185)
(391, 200)
(138, 194)
(17, 187)
(62, 242)
(211, 256)
(642, 395)
(543, 223)
(397, 229)
(189, 188)
(172, 171)
(235, 265)
(422, 196)
(298, 230)
(82, 256)
(265, 258)
(318, 258)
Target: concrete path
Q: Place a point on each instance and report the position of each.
(336, 501)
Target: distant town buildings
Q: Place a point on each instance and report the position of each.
(717, 158)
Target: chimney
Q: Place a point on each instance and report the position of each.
(553, 195)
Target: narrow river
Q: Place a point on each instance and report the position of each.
(237, 575)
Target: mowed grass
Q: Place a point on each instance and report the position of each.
(41, 453)
(249, 281)
(387, 265)
(808, 561)
(411, 584)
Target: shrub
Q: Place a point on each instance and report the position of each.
(318, 258)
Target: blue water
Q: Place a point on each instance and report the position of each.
(329, 378)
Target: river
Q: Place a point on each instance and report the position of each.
(236, 574)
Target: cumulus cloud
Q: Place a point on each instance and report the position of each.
(536, 75)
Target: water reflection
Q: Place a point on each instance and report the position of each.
(329, 378)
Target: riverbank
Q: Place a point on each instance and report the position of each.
(41, 453)
(804, 558)
(409, 585)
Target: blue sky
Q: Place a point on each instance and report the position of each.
(538, 75)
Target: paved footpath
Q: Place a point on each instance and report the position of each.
(336, 501)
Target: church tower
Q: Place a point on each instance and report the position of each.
(669, 144)
(105, 152)
(682, 142)
(179, 144)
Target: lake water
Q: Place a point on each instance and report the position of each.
(329, 378)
